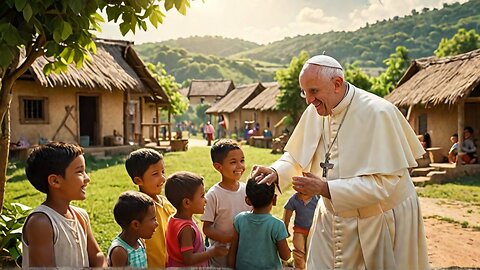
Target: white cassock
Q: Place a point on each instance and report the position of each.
(373, 220)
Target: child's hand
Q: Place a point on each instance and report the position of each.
(219, 250)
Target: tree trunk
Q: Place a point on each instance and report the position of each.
(5, 100)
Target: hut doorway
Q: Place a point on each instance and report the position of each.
(88, 120)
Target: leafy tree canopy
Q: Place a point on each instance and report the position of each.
(463, 41)
(178, 103)
(289, 99)
(397, 64)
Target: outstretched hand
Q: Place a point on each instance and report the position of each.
(263, 175)
(310, 184)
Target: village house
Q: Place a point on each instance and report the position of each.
(441, 96)
(207, 91)
(112, 100)
(264, 111)
(230, 108)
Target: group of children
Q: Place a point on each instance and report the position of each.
(159, 231)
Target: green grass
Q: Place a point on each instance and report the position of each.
(109, 178)
(466, 189)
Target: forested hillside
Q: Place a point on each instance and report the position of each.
(419, 32)
(186, 66)
(219, 46)
(247, 62)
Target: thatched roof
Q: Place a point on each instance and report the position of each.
(184, 91)
(236, 98)
(432, 80)
(205, 88)
(115, 66)
(266, 100)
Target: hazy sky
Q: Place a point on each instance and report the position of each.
(264, 21)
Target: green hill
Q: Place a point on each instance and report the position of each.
(420, 32)
(186, 66)
(210, 45)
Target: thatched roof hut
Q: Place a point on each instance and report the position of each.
(266, 100)
(115, 66)
(236, 99)
(441, 96)
(433, 81)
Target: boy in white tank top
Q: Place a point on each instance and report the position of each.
(57, 234)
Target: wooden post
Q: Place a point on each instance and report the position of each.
(169, 127)
(140, 140)
(157, 128)
(126, 103)
(460, 126)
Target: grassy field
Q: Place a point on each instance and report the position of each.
(466, 189)
(109, 178)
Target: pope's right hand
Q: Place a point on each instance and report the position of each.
(263, 175)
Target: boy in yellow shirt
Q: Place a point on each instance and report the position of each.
(146, 167)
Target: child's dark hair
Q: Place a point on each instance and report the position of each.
(181, 185)
(131, 205)
(455, 135)
(469, 129)
(138, 161)
(260, 195)
(220, 149)
(51, 158)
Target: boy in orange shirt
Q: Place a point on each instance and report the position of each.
(146, 167)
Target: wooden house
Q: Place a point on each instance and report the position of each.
(441, 96)
(263, 109)
(230, 108)
(207, 91)
(113, 99)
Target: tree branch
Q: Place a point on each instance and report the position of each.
(30, 58)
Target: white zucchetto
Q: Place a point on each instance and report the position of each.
(324, 60)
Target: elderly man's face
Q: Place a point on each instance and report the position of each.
(322, 92)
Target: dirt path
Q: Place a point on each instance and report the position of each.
(448, 243)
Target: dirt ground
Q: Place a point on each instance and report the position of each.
(449, 244)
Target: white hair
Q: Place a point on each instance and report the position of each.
(323, 71)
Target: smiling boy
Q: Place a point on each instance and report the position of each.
(226, 198)
(146, 168)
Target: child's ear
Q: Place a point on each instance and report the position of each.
(217, 166)
(137, 180)
(135, 224)
(53, 181)
(247, 200)
(186, 203)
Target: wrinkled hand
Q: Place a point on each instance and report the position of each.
(310, 184)
(263, 175)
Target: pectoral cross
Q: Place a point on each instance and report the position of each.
(326, 165)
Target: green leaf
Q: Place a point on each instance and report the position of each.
(76, 5)
(66, 30)
(47, 69)
(124, 28)
(20, 4)
(27, 12)
(169, 4)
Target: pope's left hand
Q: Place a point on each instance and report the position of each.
(310, 184)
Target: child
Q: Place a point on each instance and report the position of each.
(225, 199)
(304, 207)
(452, 153)
(184, 241)
(135, 213)
(468, 146)
(57, 234)
(146, 168)
(259, 238)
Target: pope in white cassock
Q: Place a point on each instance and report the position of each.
(354, 149)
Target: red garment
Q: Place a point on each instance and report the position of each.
(175, 225)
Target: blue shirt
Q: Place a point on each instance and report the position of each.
(303, 212)
(258, 235)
